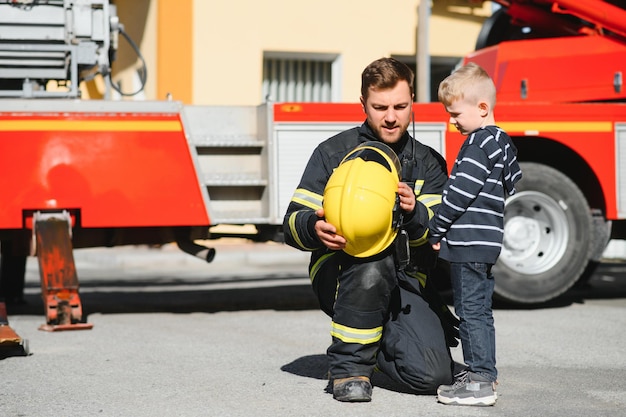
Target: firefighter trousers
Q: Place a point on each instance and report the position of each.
(356, 294)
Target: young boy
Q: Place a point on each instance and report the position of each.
(468, 227)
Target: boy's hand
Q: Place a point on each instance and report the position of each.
(437, 246)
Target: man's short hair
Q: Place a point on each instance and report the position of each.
(385, 73)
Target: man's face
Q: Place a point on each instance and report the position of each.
(389, 111)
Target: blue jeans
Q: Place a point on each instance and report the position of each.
(472, 286)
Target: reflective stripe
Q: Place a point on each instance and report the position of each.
(420, 276)
(419, 242)
(318, 264)
(294, 230)
(307, 199)
(352, 335)
(418, 186)
(429, 200)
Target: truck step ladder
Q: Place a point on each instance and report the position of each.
(59, 282)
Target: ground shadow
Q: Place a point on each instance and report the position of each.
(607, 283)
(316, 367)
(195, 297)
(179, 295)
(312, 366)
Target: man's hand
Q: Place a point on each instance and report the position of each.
(327, 233)
(437, 246)
(407, 197)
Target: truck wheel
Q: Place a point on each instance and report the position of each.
(547, 225)
(600, 237)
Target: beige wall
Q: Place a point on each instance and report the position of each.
(139, 20)
(454, 28)
(229, 37)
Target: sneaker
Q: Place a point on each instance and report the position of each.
(470, 389)
(460, 379)
(353, 389)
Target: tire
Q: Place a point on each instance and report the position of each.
(547, 245)
(600, 237)
(600, 234)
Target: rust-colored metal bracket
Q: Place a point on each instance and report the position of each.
(59, 282)
(10, 343)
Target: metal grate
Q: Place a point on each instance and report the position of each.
(305, 80)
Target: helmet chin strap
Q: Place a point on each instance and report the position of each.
(397, 218)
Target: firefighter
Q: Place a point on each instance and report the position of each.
(353, 280)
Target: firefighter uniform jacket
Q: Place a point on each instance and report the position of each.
(422, 167)
(358, 320)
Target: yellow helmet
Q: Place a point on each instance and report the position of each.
(360, 198)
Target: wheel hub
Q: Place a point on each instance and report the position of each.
(521, 234)
(535, 233)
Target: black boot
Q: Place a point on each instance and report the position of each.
(353, 389)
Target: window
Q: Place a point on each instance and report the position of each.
(440, 68)
(300, 77)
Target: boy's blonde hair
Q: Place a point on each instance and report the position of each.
(469, 82)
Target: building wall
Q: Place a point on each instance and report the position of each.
(211, 52)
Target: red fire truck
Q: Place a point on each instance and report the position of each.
(84, 173)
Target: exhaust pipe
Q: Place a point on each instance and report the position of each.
(203, 252)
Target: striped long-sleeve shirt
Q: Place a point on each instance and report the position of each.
(470, 220)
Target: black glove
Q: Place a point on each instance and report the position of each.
(424, 258)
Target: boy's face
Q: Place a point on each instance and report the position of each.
(389, 111)
(465, 116)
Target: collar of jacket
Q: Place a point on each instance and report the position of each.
(365, 131)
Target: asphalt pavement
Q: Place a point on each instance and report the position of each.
(242, 336)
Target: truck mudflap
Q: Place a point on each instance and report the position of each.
(59, 282)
